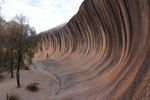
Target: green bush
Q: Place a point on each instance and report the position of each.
(32, 87)
(26, 68)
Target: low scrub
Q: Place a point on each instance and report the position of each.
(32, 87)
(13, 97)
(1, 78)
(26, 68)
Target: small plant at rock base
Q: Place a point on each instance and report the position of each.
(26, 68)
(13, 97)
(1, 78)
(32, 87)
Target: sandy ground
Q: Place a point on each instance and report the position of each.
(48, 85)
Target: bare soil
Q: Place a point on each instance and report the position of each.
(48, 86)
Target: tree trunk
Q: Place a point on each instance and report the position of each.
(5, 64)
(11, 66)
(7, 97)
(18, 69)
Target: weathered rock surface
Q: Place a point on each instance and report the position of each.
(102, 53)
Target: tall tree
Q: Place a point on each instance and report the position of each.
(10, 33)
(2, 42)
(19, 44)
(24, 43)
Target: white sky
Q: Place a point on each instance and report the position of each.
(43, 14)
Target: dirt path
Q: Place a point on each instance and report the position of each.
(47, 84)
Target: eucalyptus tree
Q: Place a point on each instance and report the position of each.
(22, 41)
(2, 42)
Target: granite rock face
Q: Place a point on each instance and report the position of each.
(102, 53)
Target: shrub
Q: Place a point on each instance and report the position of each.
(1, 78)
(32, 87)
(13, 97)
(26, 68)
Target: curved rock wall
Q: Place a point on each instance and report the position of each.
(102, 53)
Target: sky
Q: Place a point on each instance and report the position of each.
(42, 14)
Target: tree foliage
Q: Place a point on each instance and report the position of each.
(17, 44)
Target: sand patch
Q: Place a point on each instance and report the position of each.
(48, 86)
